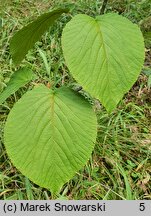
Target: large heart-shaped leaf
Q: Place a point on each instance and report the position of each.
(105, 55)
(25, 38)
(49, 135)
(20, 78)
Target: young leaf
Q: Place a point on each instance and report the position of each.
(24, 39)
(18, 79)
(105, 55)
(49, 135)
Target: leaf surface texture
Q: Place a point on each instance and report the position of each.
(49, 135)
(105, 55)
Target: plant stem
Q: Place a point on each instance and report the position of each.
(102, 9)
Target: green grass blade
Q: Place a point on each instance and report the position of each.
(29, 189)
(149, 81)
(129, 195)
(1, 22)
(44, 58)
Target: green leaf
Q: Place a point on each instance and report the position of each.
(49, 135)
(105, 55)
(25, 39)
(18, 79)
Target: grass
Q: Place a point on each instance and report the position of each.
(120, 165)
